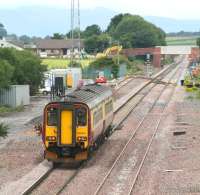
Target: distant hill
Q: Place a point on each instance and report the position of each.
(42, 21)
(175, 25)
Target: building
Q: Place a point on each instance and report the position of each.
(57, 48)
(7, 44)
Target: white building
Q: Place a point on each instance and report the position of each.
(6, 44)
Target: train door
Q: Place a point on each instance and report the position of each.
(67, 127)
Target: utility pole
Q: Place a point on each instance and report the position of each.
(79, 29)
(73, 8)
(72, 32)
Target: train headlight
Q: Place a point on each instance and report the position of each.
(51, 138)
(82, 139)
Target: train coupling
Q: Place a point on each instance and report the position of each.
(38, 129)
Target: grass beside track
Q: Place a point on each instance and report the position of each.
(3, 130)
(62, 63)
(8, 109)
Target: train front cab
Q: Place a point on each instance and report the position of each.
(66, 131)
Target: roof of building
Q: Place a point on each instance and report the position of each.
(58, 44)
(7, 44)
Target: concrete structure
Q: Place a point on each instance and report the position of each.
(176, 50)
(15, 95)
(156, 52)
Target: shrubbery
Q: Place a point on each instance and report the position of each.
(3, 130)
(113, 64)
(20, 68)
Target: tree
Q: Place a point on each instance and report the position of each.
(97, 43)
(27, 68)
(3, 31)
(25, 39)
(76, 34)
(134, 31)
(6, 73)
(91, 44)
(198, 42)
(57, 36)
(91, 31)
(114, 22)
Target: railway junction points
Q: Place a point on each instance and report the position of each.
(153, 148)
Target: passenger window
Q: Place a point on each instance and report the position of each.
(52, 116)
(98, 115)
(81, 117)
(108, 107)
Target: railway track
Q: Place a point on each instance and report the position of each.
(69, 176)
(101, 189)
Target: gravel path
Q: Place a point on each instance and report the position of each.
(172, 166)
(21, 151)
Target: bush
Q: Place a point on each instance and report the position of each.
(26, 68)
(75, 64)
(3, 130)
(8, 109)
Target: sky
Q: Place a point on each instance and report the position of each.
(178, 9)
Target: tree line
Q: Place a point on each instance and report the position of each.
(129, 30)
(126, 29)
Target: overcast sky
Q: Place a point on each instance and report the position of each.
(180, 9)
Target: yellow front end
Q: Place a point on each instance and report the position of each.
(66, 132)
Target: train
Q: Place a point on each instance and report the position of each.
(73, 126)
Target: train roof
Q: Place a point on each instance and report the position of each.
(90, 94)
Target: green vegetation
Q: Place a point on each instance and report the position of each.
(62, 63)
(3, 31)
(198, 42)
(192, 84)
(112, 64)
(19, 68)
(134, 31)
(3, 130)
(190, 40)
(168, 60)
(97, 43)
(129, 30)
(6, 73)
(8, 109)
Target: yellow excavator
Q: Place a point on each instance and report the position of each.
(109, 52)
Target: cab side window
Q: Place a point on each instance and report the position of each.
(81, 117)
(52, 116)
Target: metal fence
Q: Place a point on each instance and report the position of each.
(15, 95)
(90, 73)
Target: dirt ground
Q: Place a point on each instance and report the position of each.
(172, 166)
(21, 150)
